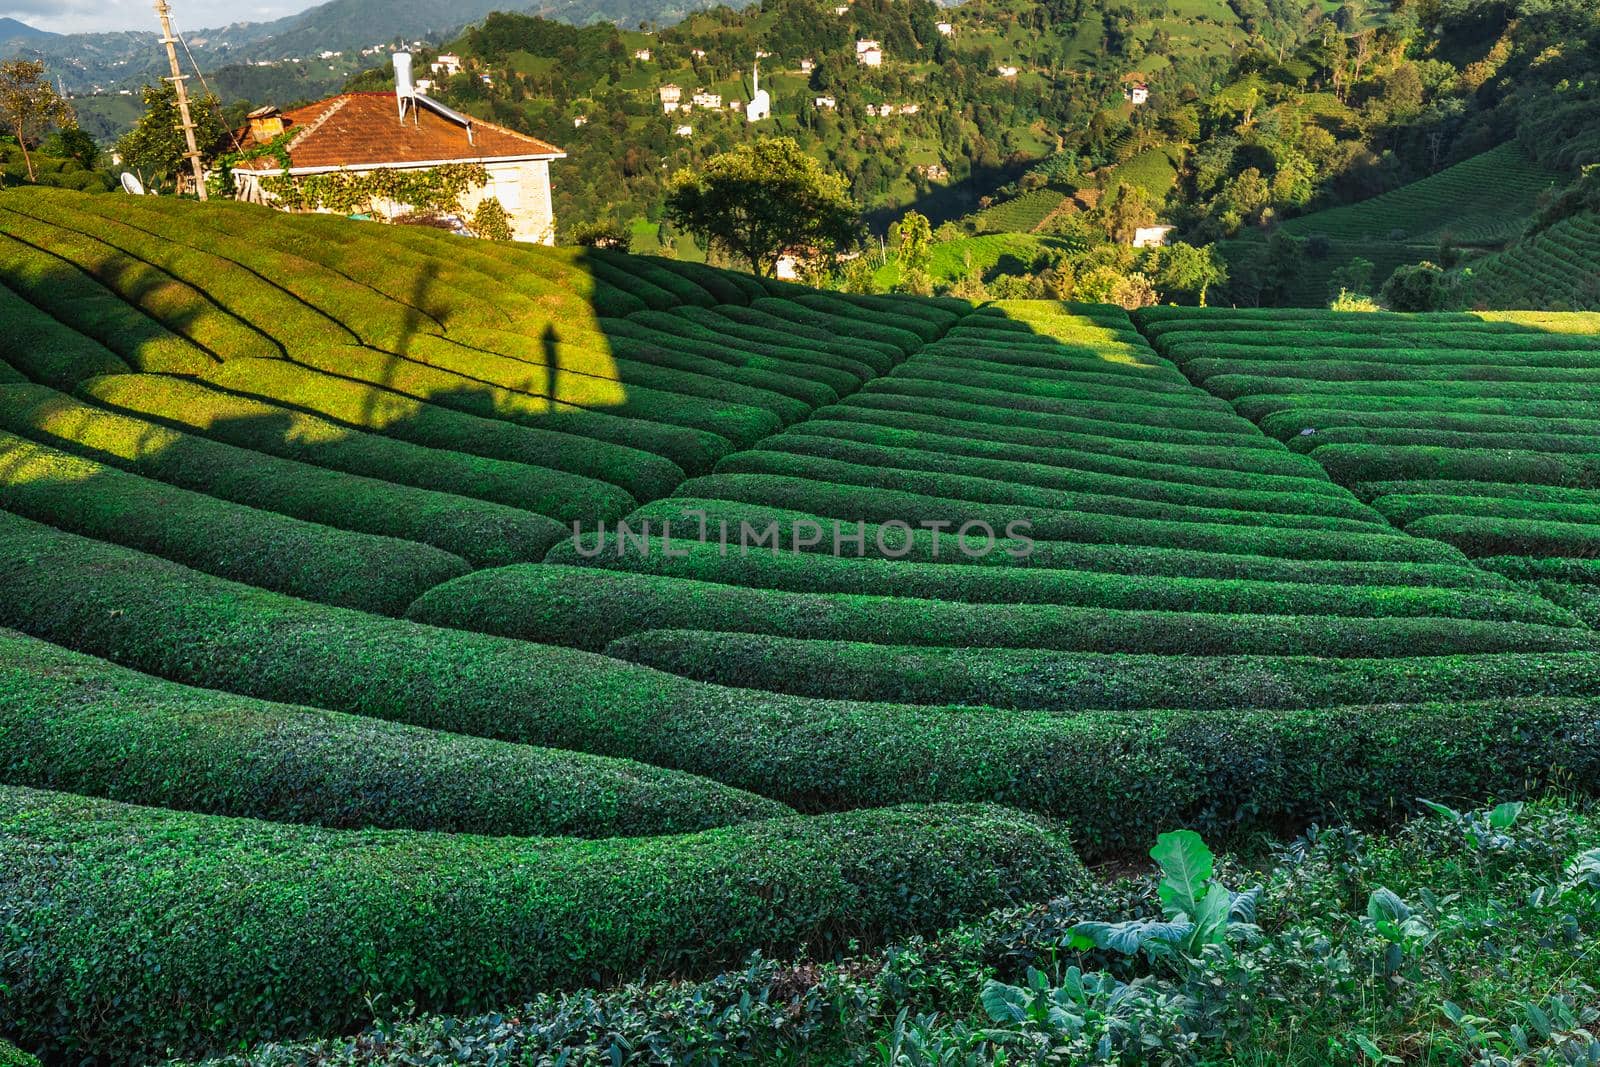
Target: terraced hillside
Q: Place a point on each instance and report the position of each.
(1478, 430)
(1558, 267)
(312, 700)
(1481, 203)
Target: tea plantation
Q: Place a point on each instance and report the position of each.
(399, 621)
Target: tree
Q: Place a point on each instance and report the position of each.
(912, 238)
(154, 149)
(29, 105)
(1125, 211)
(1418, 287)
(761, 200)
(1183, 268)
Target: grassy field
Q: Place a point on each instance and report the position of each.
(396, 619)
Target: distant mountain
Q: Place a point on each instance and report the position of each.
(12, 30)
(109, 62)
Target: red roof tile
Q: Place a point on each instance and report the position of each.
(363, 129)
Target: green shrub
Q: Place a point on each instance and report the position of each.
(983, 417)
(1026, 386)
(853, 419)
(262, 548)
(891, 316)
(12, 1056)
(1288, 424)
(298, 435)
(1419, 437)
(1341, 370)
(1419, 287)
(879, 355)
(653, 270)
(922, 453)
(726, 286)
(1403, 508)
(81, 725)
(840, 320)
(1360, 560)
(1261, 405)
(1364, 353)
(482, 533)
(1057, 378)
(376, 375)
(175, 305)
(1524, 568)
(42, 349)
(1115, 409)
(1369, 463)
(1041, 679)
(1479, 535)
(1117, 777)
(589, 608)
(696, 323)
(823, 572)
(446, 430)
(192, 923)
(852, 503)
(1236, 386)
(683, 346)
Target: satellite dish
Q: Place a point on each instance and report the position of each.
(132, 185)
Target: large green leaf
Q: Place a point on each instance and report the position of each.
(1186, 865)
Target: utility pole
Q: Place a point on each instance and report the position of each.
(164, 12)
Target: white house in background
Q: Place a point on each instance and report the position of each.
(945, 29)
(879, 111)
(671, 98)
(760, 105)
(447, 64)
(684, 131)
(807, 66)
(708, 100)
(1138, 93)
(1150, 236)
(579, 121)
(869, 53)
(1005, 70)
(361, 133)
(910, 109)
(842, 9)
(424, 85)
(642, 54)
(698, 53)
(826, 103)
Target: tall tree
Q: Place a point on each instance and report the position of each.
(29, 105)
(912, 238)
(154, 149)
(763, 199)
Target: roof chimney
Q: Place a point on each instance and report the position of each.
(265, 124)
(404, 90)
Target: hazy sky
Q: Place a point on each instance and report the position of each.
(74, 16)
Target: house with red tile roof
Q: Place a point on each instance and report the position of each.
(405, 130)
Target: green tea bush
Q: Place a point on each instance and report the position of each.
(298, 435)
(676, 345)
(690, 446)
(589, 608)
(262, 548)
(1369, 463)
(1236, 386)
(879, 355)
(1459, 369)
(399, 416)
(1419, 437)
(74, 723)
(926, 324)
(1404, 508)
(175, 305)
(1243, 492)
(186, 919)
(74, 298)
(40, 348)
(820, 353)
(840, 320)
(1479, 535)
(1046, 680)
(1116, 777)
(1250, 468)
(823, 572)
(1365, 561)
(1288, 424)
(1114, 410)
(481, 533)
(652, 270)
(878, 505)
(1183, 399)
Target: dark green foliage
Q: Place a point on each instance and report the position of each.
(273, 551)
(195, 923)
(39, 348)
(437, 426)
(1027, 679)
(589, 608)
(78, 724)
(481, 533)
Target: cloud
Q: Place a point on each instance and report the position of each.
(94, 16)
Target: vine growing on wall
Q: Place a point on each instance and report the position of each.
(219, 181)
(435, 191)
